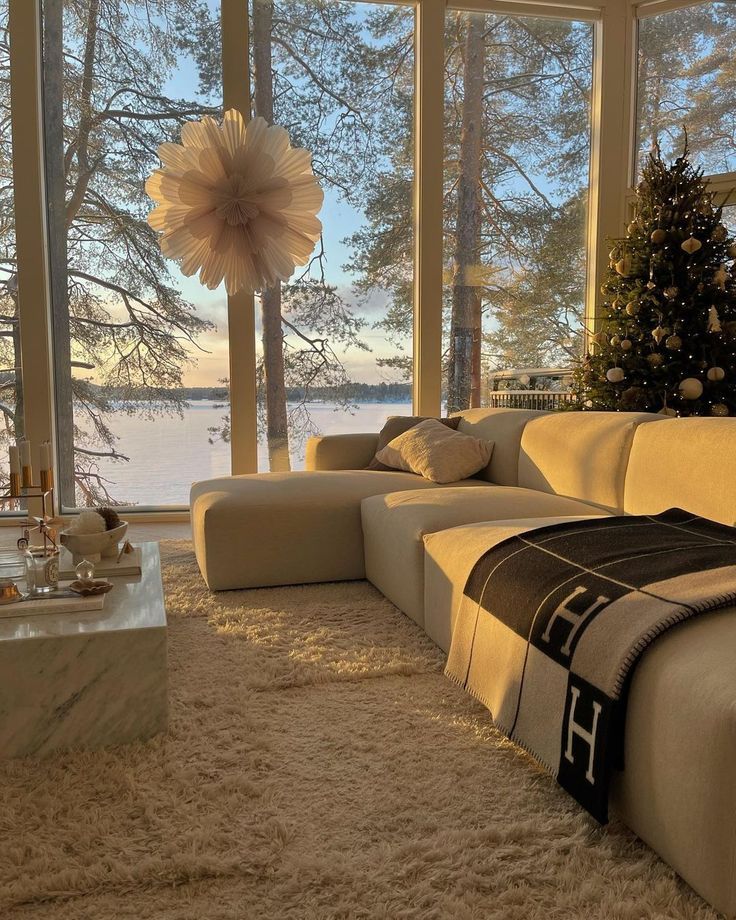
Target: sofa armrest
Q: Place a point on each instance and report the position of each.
(341, 451)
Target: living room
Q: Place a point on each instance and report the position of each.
(368, 459)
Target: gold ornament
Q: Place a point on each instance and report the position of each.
(599, 338)
(721, 277)
(623, 266)
(719, 233)
(615, 375)
(655, 359)
(674, 342)
(671, 292)
(715, 374)
(714, 321)
(618, 303)
(720, 410)
(658, 333)
(632, 308)
(670, 413)
(691, 388)
(626, 344)
(633, 227)
(615, 341)
(658, 236)
(691, 245)
(651, 285)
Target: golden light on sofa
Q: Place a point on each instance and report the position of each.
(236, 202)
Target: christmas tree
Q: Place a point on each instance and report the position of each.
(667, 340)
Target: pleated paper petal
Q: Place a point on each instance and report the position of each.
(235, 202)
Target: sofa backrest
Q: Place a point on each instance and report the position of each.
(688, 463)
(504, 427)
(581, 455)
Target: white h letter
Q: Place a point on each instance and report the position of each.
(588, 736)
(575, 620)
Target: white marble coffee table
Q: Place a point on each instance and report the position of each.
(87, 679)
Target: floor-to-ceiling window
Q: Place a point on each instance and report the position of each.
(335, 342)
(141, 352)
(517, 152)
(11, 388)
(687, 92)
(532, 113)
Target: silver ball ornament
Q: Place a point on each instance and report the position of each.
(615, 374)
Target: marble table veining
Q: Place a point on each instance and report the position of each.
(87, 680)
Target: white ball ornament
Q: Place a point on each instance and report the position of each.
(88, 522)
(715, 374)
(615, 375)
(691, 388)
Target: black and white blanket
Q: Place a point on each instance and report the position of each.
(553, 621)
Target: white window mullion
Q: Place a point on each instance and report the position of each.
(240, 306)
(428, 206)
(611, 142)
(34, 290)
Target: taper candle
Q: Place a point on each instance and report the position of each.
(25, 463)
(45, 456)
(14, 459)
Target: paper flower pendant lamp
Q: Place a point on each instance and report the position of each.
(236, 202)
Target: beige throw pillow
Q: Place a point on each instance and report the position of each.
(396, 425)
(436, 452)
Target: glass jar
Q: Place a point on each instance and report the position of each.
(42, 570)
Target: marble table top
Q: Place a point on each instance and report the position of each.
(136, 602)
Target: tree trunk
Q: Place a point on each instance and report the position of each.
(56, 181)
(465, 330)
(277, 423)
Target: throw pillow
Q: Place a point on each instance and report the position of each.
(436, 452)
(396, 425)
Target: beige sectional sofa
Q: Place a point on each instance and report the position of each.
(416, 542)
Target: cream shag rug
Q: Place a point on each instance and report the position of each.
(318, 766)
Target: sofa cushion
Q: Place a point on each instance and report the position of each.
(688, 463)
(433, 451)
(581, 455)
(286, 528)
(394, 525)
(340, 451)
(504, 428)
(395, 426)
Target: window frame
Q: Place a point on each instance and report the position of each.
(611, 180)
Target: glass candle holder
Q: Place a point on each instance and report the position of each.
(42, 570)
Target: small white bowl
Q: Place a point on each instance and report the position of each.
(93, 546)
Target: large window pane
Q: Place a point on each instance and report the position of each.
(340, 77)
(686, 83)
(11, 390)
(517, 148)
(140, 350)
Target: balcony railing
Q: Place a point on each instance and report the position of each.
(545, 388)
(528, 399)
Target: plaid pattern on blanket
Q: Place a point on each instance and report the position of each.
(553, 621)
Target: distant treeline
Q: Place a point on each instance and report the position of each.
(351, 393)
